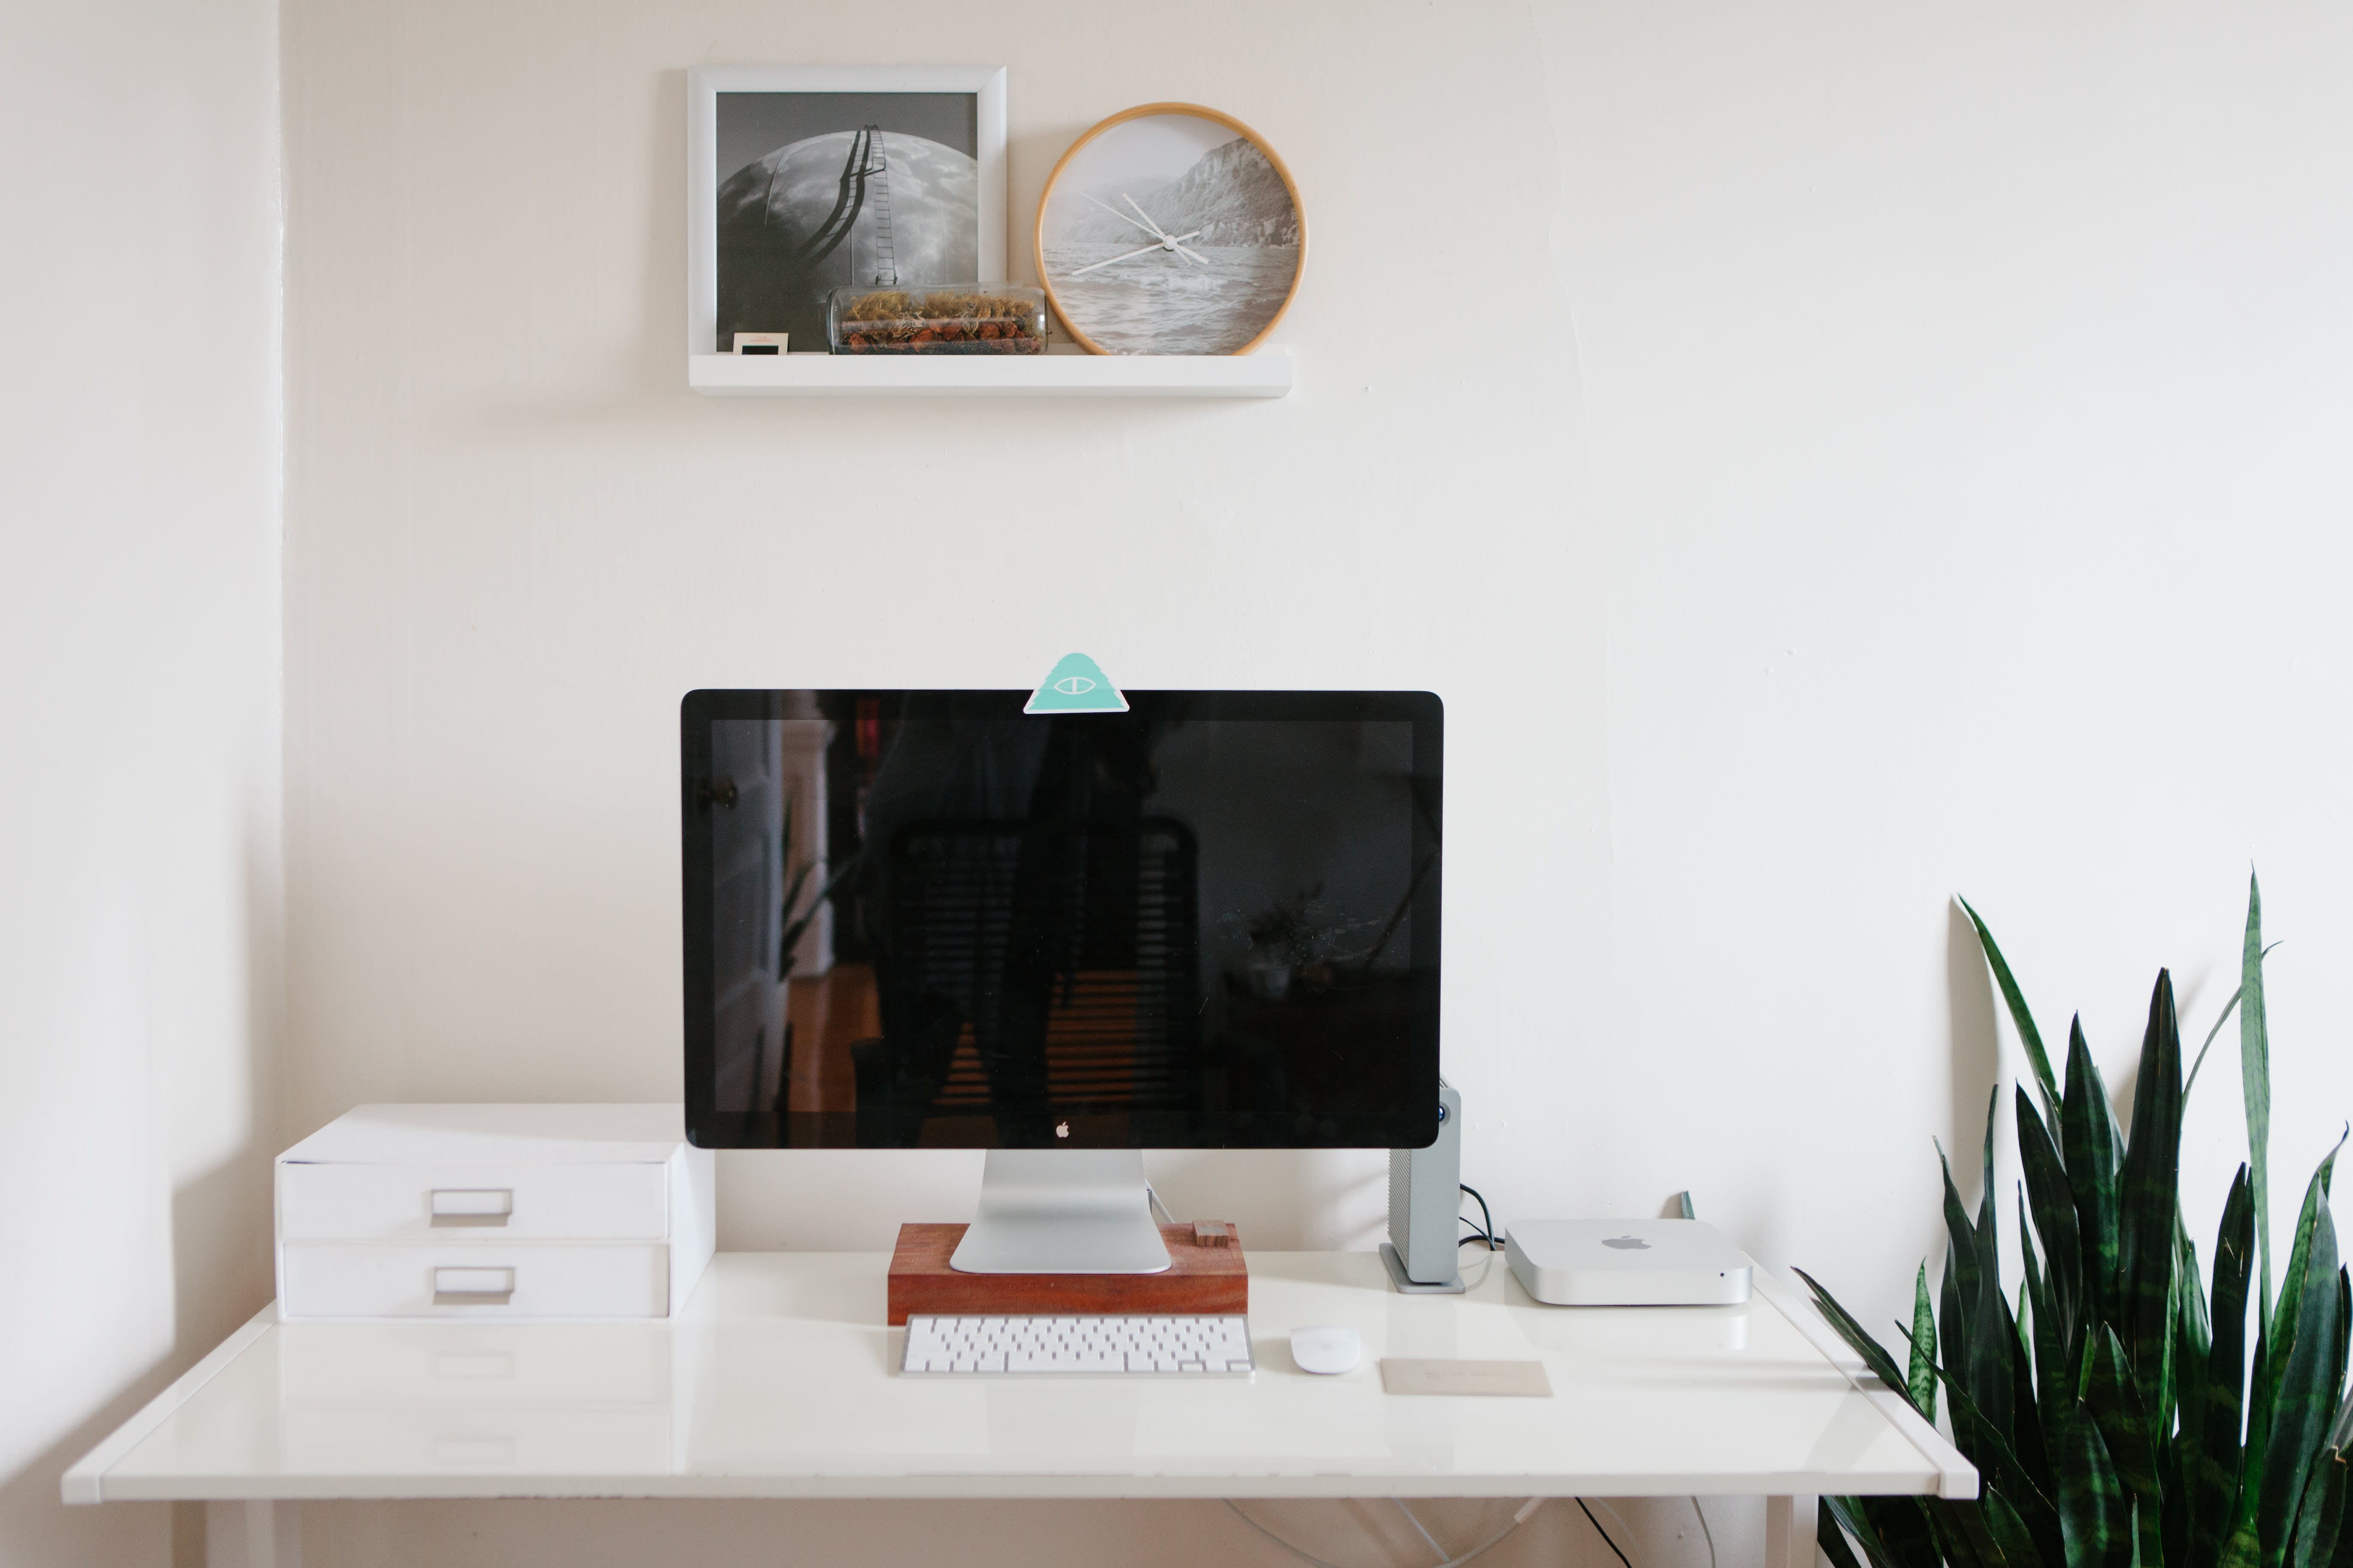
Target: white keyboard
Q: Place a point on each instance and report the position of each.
(1167, 1345)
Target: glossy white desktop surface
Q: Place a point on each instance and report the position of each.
(777, 1381)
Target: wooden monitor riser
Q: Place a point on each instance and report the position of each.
(1207, 1274)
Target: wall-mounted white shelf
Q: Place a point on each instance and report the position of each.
(1266, 374)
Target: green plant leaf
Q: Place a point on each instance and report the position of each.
(2009, 1531)
(1922, 1383)
(2229, 1009)
(2087, 1133)
(2053, 1201)
(1952, 1318)
(1975, 1325)
(1831, 1538)
(2342, 1556)
(2255, 1081)
(2122, 1414)
(2052, 1361)
(2000, 1465)
(1990, 1336)
(2149, 1187)
(2320, 1517)
(2252, 1454)
(2310, 1379)
(2192, 1345)
(2286, 1314)
(1989, 1239)
(1891, 1531)
(2028, 1035)
(1875, 1355)
(2344, 1317)
(2327, 1542)
(2240, 1549)
(1900, 1525)
(1961, 1529)
(2025, 1431)
(2093, 1512)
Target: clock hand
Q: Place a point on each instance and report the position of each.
(1141, 214)
(1171, 243)
(1119, 215)
(1140, 250)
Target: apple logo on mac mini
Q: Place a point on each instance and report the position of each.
(1627, 1243)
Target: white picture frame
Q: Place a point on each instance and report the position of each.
(984, 84)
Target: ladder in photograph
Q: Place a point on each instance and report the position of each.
(878, 169)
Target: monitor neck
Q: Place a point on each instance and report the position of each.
(1062, 1211)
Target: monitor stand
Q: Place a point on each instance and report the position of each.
(1062, 1211)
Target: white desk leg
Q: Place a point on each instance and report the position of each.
(1790, 1531)
(252, 1535)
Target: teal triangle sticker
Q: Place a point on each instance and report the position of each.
(1076, 685)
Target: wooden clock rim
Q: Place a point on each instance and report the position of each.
(1199, 112)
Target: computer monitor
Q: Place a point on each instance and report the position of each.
(928, 919)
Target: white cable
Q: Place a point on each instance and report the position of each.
(1704, 1531)
(1412, 1518)
(1518, 1519)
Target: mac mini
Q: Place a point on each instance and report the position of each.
(1627, 1263)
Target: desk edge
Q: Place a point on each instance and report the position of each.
(84, 1482)
(1956, 1477)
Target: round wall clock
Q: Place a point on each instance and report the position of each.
(1170, 229)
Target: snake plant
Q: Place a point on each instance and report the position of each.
(2117, 1416)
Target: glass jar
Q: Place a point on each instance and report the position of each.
(937, 319)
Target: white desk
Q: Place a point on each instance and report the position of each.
(777, 1381)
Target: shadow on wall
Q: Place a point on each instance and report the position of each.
(222, 1268)
(1976, 1050)
(222, 1275)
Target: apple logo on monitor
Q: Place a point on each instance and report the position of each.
(1627, 1243)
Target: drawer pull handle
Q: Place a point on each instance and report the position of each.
(473, 1287)
(472, 1205)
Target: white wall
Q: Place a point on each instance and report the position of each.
(140, 880)
(1915, 463)
(1968, 398)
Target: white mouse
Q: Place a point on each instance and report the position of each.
(1326, 1351)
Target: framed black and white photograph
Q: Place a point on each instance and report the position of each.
(803, 179)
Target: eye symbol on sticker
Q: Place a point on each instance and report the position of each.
(1072, 685)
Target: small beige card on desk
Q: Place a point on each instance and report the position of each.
(1507, 1379)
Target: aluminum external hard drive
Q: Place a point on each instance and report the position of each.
(1627, 1263)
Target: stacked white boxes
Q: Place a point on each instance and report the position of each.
(512, 1212)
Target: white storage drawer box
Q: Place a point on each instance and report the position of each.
(493, 1211)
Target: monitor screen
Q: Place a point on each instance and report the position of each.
(926, 920)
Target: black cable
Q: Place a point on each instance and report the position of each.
(1599, 1531)
(1487, 1229)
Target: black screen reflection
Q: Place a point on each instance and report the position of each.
(1143, 930)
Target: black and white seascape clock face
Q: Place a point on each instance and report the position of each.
(1170, 229)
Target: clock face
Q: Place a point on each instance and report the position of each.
(1170, 230)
